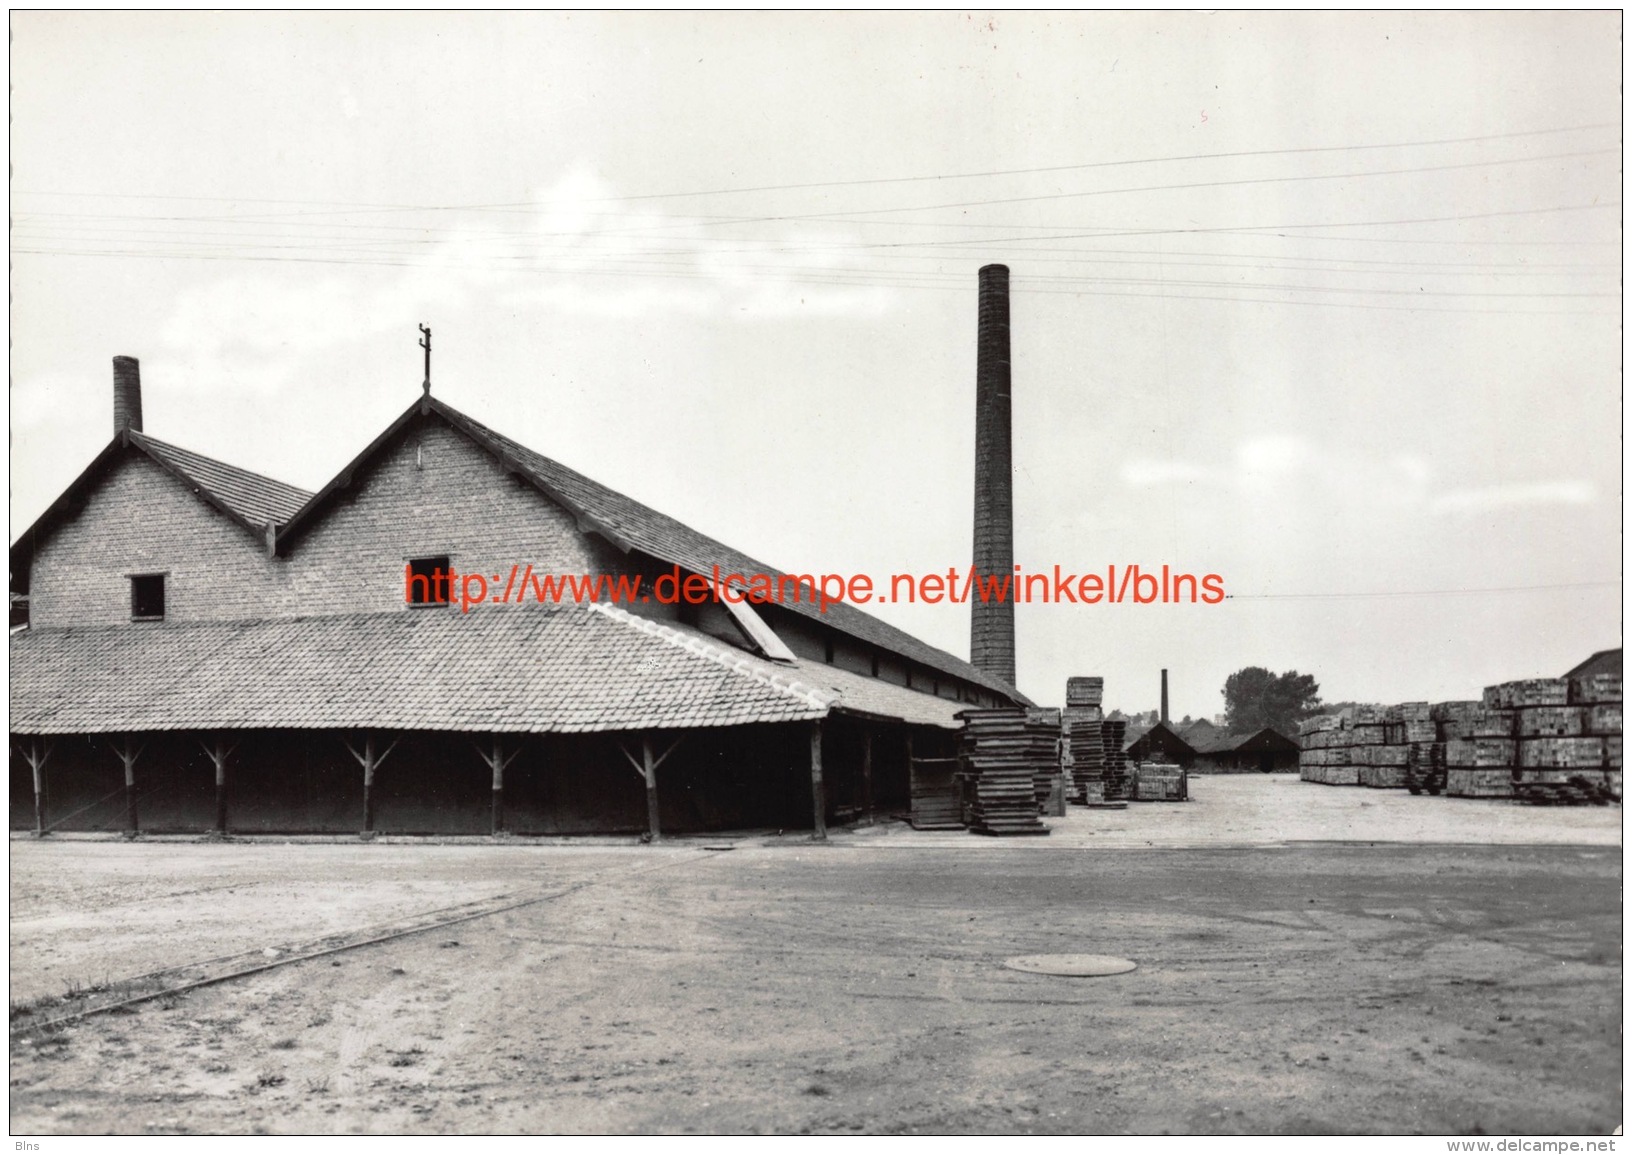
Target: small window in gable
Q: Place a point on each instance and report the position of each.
(147, 596)
(428, 581)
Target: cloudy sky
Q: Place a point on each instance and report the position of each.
(1325, 304)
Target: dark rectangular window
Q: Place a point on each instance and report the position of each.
(147, 595)
(428, 581)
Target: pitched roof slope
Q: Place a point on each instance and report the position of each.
(546, 669)
(631, 525)
(1603, 662)
(669, 540)
(254, 497)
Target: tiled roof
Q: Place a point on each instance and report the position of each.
(1603, 662)
(666, 539)
(1224, 741)
(551, 669)
(255, 498)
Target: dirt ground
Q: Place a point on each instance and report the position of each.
(857, 986)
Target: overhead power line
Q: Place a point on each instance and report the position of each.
(1435, 593)
(342, 207)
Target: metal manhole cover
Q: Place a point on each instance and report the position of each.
(1075, 965)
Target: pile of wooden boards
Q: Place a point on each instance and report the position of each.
(937, 800)
(1084, 738)
(998, 755)
(1548, 741)
(1043, 734)
(1160, 782)
(1117, 784)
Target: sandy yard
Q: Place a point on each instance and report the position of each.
(1311, 959)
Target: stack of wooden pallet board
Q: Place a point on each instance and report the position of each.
(1084, 739)
(1116, 778)
(936, 797)
(998, 754)
(1043, 736)
(1159, 782)
(1567, 734)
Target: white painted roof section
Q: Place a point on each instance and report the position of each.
(758, 632)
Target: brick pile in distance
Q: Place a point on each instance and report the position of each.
(1550, 741)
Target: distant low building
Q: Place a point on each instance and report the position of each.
(1222, 752)
(1603, 662)
(1159, 743)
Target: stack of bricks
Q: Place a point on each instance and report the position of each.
(1085, 742)
(1549, 741)
(1116, 783)
(1381, 764)
(1427, 769)
(1479, 749)
(1403, 725)
(1365, 733)
(1159, 782)
(1568, 738)
(997, 753)
(1323, 755)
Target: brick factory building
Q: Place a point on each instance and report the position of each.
(208, 649)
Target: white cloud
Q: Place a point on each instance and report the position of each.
(1144, 472)
(1562, 492)
(574, 250)
(1265, 467)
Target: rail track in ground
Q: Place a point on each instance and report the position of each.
(123, 996)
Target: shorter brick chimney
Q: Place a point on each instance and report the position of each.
(1164, 697)
(127, 394)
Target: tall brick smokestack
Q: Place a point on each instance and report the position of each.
(1164, 696)
(991, 644)
(127, 394)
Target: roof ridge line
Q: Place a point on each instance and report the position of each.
(159, 441)
(739, 664)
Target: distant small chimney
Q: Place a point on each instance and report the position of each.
(127, 394)
(1164, 697)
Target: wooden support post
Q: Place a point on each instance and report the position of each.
(497, 762)
(912, 776)
(369, 762)
(127, 754)
(35, 754)
(653, 821)
(218, 752)
(646, 766)
(369, 766)
(817, 794)
(498, 787)
(867, 777)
